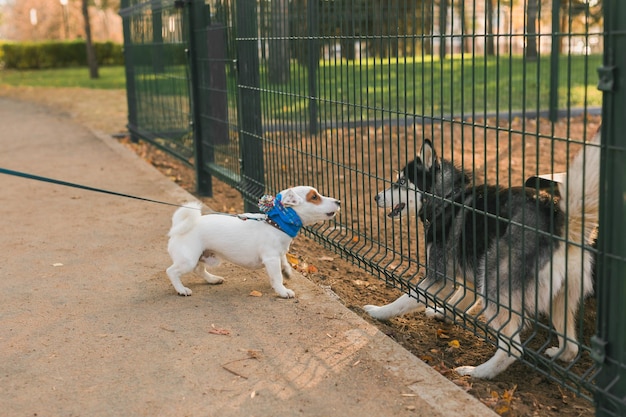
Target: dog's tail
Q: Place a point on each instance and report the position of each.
(580, 194)
(185, 218)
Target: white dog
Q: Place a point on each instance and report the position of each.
(251, 240)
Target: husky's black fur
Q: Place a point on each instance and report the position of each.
(510, 244)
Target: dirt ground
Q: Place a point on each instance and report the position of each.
(517, 392)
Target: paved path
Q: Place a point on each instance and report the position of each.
(90, 325)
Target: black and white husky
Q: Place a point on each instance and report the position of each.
(523, 251)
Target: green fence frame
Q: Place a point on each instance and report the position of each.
(355, 87)
(610, 341)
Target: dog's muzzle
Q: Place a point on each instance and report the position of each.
(333, 213)
(396, 210)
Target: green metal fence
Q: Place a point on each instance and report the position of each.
(340, 94)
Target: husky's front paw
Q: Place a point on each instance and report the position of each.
(465, 370)
(379, 313)
(565, 355)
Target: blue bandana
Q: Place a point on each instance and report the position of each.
(285, 217)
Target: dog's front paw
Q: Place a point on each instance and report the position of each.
(286, 293)
(465, 370)
(437, 314)
(379, 313)
(565, 355)
(484, 371)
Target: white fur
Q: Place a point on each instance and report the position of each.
(197, 241)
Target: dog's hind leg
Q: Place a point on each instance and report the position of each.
(403, 305)
(566, 302)
(174, 273)
(274, 269)
(208, 277)
(509, 347)
(286, 268)
(208, 258)
(463, 301)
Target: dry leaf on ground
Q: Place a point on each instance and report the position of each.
(217, 330)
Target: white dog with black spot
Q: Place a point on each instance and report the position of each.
(250, 240)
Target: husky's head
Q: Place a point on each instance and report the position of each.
(405, 194)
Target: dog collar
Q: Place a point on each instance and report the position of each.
(284, 218)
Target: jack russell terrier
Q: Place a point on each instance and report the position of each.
(251, 240)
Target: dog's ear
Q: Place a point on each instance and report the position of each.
(290, 198)
(428, 155)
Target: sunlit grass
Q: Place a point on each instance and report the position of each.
(110, 78)
(374, 87)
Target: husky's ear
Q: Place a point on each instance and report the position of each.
(427, 154)
(290, 198)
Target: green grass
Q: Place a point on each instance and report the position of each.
(110, 78)
(351, 90)
(373, 88)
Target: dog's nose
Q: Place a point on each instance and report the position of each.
(376, 197)
(338, 203)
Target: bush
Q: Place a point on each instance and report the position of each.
(56, 54)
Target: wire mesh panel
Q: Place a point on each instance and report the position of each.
(506, 92)
(157, 73)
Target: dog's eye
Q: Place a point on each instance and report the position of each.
(315, 197)
(401, 181)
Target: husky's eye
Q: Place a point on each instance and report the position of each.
(401, 181)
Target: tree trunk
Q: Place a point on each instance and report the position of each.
(91, 52)
(279, 42)
(490, 47)
(443, 23)
(466, 41)
(531, 30)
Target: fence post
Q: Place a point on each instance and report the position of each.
(313, 62)
(609, 344)
(555, 51)
(130, 74)
(250, 124)
(197, 50)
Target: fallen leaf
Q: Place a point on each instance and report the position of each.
(254, 354)
(217, 330)
(292, 259)
(454, 344)
(255, 293)
(355, 239)
(57, 264)
(442, 334)
(326, 258)
(464, 384)
(311, 269)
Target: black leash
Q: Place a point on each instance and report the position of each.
(81, 187)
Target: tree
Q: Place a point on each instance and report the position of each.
(490, 47)
(91, 52)
(531, 29)
(443, 24)
(279, 42)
